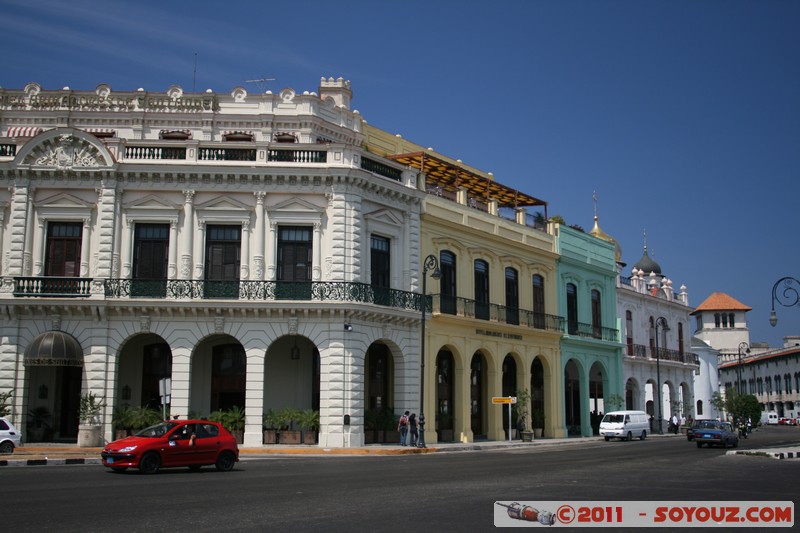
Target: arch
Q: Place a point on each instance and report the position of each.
(445, 395)
(292, 374)
(65, 148)
(509, 386)
(598, 379)
(572, 397)
(633, 395)
(478, 387)
(144, 359)
(540, 389)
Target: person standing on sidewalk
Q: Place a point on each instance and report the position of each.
(412, 424)
(402, 427)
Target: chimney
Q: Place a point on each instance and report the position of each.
(338, 89)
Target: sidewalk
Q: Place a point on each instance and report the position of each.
(46, 454)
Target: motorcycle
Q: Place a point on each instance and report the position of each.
(742, 430)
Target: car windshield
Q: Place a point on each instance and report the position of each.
(614, 418)
(156, 431)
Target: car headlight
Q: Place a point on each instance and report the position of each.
(127, 449)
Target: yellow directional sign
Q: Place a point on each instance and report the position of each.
(504, 399)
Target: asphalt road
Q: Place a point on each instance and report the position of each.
(429, 492)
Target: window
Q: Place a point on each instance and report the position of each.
(538, 301)
(716, 320)
(447, 283)
(680, 338)
(512, 296)
(652, 336)
(228, 376)
(572, 309)
(223, 249)
(698, 323)
(730, 320)
(481, 289)
(150, 257)
(294, 253)
(597, 316)
(629, 331)
(63, 253)
(699, 407)
(380, 261)
(724, 320)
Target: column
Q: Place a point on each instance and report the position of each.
(258, 252)
(271, 242)
(316, 262)
(27, 241)
(200, 256)
(85, 247)
(38, 247)
(17, 229)
(254, 396)
(2, 224)
(115, 254)
(244, 268)
(188, 235)
(125, 247)
(172, 266)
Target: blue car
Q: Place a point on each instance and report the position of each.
(715, 433)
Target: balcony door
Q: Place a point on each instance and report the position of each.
(223, 259)
(63, 254)
(295, 249)
(150, 256)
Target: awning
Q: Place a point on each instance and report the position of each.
(238, 135)
(175, 135)
(452, 176)
(101, 133)
(23, 131)
(54, 348)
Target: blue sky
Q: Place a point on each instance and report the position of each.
(683, 116)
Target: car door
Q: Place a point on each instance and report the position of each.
(179, 450)
(207, 443)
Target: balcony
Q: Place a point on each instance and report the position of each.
(246, 290)
(466, 308)
(664, 354)
(590, 331)
(52, 287)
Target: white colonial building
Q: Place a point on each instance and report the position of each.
(244, 245)
(655, 324)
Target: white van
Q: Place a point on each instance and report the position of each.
(625, 425)
(769, 417)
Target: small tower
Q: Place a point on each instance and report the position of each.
(722, 322)
(338, 90)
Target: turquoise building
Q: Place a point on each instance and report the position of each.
(591, 351)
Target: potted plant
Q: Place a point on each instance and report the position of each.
(234, 421)
(309, 423)
(89, 428)
(538, 422)
(290, 435)
(122, 421)
(142, 417)
(272, 423)
(521, 412)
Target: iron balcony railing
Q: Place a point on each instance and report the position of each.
(330, 291)
(581, 329)
(664, 354)
(463, 307)
(8, 150)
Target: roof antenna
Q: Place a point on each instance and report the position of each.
(262, 83)
(194, 73)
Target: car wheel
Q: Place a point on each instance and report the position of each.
(643, 435)
(6, 447)
(629, 437)
(119, 469)
(699, 444)
(225, 462)
(149, 463)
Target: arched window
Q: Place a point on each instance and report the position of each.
(512, 296)
(680, 338)
(597, 315)
(629, 331)
(716, 320)
(538, 301)
(699, 407)
(652, 336)
(731, 323)
(481, 289)
(447, 283)
(572, 309)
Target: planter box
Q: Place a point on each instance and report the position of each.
(538, 432)
(89, 435)
(527, 436)
(270, 436)
(290, 437)
(309, 436)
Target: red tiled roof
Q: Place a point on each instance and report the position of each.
(719, 301)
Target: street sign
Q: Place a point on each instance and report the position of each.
(504, 399)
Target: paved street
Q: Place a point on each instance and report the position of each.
(422, 492)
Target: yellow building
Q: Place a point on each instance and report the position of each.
(493, 329)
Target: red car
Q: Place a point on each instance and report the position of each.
(171, 443)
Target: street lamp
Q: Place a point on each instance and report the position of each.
(789, 298)
(660, 321)
(430, 263)
(746, 347)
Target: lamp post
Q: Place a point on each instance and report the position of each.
(788, 298)
(660, 321)
(746, 347)
(430, 263)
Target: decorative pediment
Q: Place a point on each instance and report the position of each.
(65, 149)
(385, 216)
(64, 201)
(295, 210)
(223, 203)
(224, 209)
(152, 201)
(151, 208)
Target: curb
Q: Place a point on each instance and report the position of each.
(47, 462)
(762, 453)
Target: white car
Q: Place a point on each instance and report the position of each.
(9, 436)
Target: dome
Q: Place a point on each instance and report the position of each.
(603, 236)
(647, 265)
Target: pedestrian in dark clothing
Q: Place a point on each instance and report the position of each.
(412, 424)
